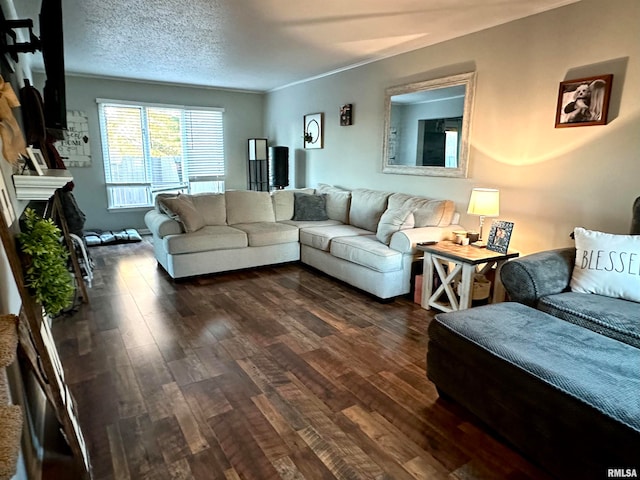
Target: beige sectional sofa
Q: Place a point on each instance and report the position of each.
(366, 238)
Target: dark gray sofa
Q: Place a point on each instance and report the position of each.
(541, 280)
(556, 373)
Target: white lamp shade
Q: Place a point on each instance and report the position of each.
(258, 149)
(484, 201)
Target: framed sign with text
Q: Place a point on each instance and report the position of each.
(75, 149)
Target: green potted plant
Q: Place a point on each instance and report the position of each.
(45, 262)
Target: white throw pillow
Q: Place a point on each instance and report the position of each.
(393, 220)
(182, 209)
(607, 264)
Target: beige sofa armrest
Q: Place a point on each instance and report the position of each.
(405, 240)
(161, 225)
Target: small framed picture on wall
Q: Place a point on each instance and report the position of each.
(313, 137)
(346, 115)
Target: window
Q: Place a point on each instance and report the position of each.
(151, 149)
(451, 148)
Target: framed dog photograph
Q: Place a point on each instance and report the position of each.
(499, 236)
(584, 101)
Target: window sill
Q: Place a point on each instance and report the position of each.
(129, 209)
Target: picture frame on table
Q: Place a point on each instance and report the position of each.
(36, 160)
(499, 236)
(584, 101)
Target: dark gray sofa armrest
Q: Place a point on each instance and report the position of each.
(527, 279)
(635, 219)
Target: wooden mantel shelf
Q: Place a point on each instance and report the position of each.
(30, 186)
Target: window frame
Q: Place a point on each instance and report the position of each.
(188, 184)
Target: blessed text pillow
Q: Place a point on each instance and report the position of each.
(607, 264)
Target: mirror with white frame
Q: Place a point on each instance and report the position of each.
(427, 127)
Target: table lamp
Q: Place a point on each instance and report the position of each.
(484, 202)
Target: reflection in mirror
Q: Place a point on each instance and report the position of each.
(427, 127)
(438, 142)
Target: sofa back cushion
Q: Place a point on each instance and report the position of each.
(245, 206)
(367, 206)
(338, 202)
(427, 212)
(283, 202)
(212, 207)
(435, 213)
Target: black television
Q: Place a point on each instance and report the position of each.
(52, 46)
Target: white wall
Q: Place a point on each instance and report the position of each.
(550, 179)
(242, 119)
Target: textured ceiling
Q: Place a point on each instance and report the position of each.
(259, 44)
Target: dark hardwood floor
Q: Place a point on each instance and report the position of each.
(276, 372)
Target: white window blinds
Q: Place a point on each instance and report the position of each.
(152, 149)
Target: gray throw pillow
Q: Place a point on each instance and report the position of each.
(309, 207)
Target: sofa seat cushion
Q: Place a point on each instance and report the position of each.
(213, 237)
(268, 233)
(594, 369)
(320, 237)
(613, 317)
(368, 251)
